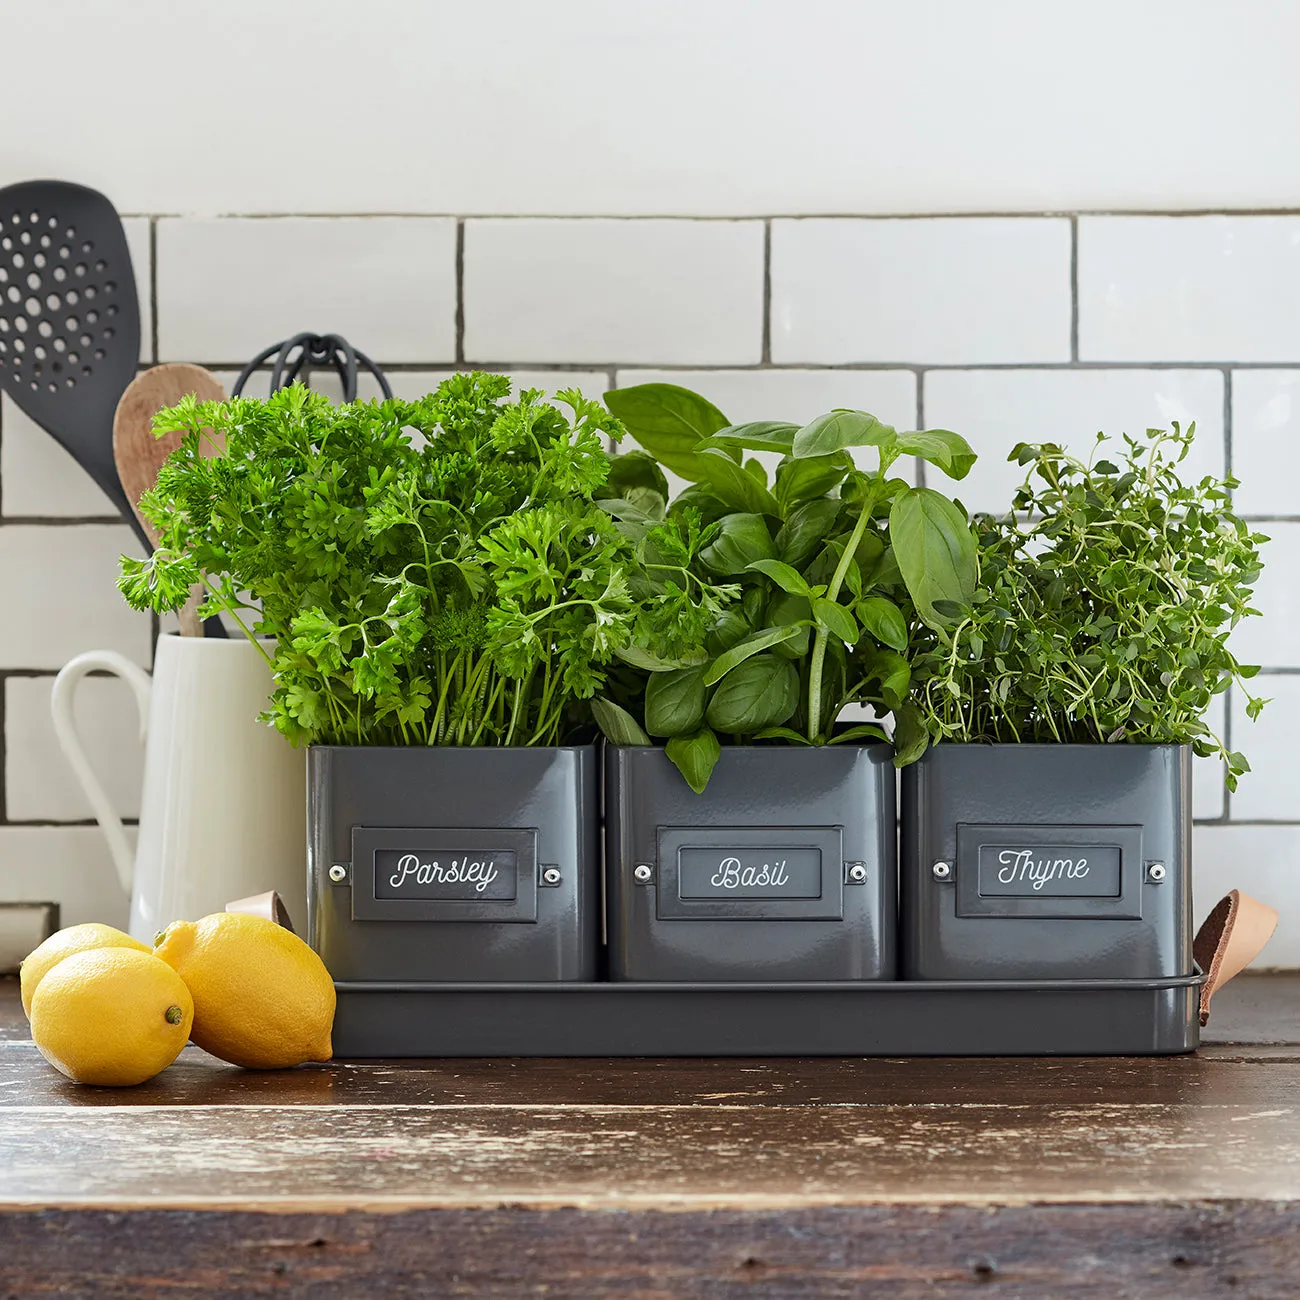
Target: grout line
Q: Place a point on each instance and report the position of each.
(153, 290)
(956, 215)
(1227, 425)
(766, 352)
(460, 293)
(1074, 289)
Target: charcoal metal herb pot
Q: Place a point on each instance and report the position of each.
(1044, 862)
(783, 869)
(454, 864)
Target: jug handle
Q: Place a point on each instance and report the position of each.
(65, 728)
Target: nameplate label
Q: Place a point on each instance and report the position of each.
(1049, 871)
(446, 874)
(722, 873)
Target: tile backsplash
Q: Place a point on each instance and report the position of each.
(1005, 329)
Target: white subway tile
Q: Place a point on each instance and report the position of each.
(39, 784)
(1268, 792)
(58, 590)
(1208, 790)
(1260, 861)
(38, 477)
(1215, 288)
(68, 865)
(946, 290)
(1273, 640)
(659, 292)
(995, 409)
(137, 242)
(1266, 441)
(795, 395)
(228, 287)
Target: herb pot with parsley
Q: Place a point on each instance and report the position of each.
(750, 834)
(442, 599)
(1047, 832)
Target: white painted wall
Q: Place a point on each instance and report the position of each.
(659, 106)
(397, 131)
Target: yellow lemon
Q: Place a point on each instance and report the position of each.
(76, 938)
(262, 998)
(111, 1016)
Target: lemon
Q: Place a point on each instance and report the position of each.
(111, 1016)
(76, 938)
(262, 998)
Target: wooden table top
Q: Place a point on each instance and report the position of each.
(784, 1178)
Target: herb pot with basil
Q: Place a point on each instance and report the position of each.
(441, 598)
(1046, 833)
(750, 831)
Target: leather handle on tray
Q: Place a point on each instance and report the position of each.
(269, 905)
(1229, 939)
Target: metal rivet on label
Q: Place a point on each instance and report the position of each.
(550, 875)
(856, 872)
(338, 873)
(643, 873)
(1156, 872)
(942, 871)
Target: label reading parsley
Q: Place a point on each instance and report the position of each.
(448, 874)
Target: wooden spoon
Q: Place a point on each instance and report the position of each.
(139, 455)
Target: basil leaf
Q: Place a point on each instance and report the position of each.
(805, 530)
(949, 451)
(782, 733)
(809, 478)
(668, 422)
(617, 724)
(894, 674)
(785, 610)
(635, 469)
(700, 499)
(935, 550)
(741, 539)
(884, 620)
(911, 739)
(674, 702)
(742, 650)
(639, 657)
(761, 435)
(733, 484)
(787, 578)
(694, 757)
(732, 628)
(840, 429)
(761, 692)
(863, 731)
(836, 619)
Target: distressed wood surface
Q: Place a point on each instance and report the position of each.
(772, 1178)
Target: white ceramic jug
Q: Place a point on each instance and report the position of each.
(223, 809)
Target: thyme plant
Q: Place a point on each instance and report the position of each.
(1105, 604)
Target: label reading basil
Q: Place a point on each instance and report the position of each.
(1049, 871)
(451, 874)
(749, 873)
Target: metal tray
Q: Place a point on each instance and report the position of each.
(931, 1018)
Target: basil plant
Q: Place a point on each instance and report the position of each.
(832, 565)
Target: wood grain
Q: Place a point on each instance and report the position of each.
(1039, 1252)
(640, 1178)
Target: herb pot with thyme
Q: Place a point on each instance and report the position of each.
(750, 834)
(1047, 831)
(438, 598)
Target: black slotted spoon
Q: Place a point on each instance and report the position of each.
(69, 320)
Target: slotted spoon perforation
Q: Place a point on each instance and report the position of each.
(69, 318)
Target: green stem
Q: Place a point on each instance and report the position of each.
(832, 593)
